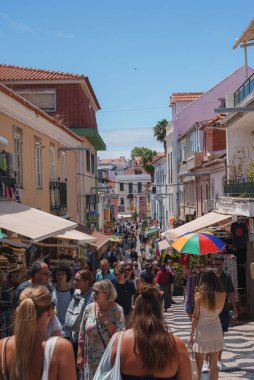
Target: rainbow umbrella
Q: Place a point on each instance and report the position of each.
(198, 243)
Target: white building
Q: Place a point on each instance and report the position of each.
(159, 196)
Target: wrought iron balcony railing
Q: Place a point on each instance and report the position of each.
(58, 196)
(239, 186)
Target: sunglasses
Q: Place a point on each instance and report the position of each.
(128, 270)
(96, 291)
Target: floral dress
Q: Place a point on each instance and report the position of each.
(90, 339)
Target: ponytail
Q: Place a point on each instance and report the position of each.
(34, 301)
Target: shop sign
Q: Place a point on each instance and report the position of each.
(92, 215)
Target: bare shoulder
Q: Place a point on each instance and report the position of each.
(179, 344)
(198, 296)
(63, 346)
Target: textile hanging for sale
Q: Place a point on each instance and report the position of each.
(230, 267)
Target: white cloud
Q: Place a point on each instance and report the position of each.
(20, 26)
(61, 34)
(121, 142)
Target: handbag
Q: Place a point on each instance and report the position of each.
(194, 368)
(75, 313)
(104, 370)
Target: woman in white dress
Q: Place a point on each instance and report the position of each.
(206, 333)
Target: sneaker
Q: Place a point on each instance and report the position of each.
(205, 368)
(221, 366)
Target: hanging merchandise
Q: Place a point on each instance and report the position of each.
(230, 267)
(239, 234)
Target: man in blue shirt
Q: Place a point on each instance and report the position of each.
(105, 273)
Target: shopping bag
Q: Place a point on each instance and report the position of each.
(104, 370)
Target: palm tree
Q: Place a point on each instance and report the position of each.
(159, 131)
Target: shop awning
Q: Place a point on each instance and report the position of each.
(152, 231)
(102, 239)
(196, 225)
(78, 236)
(163, 244)
(30, 222)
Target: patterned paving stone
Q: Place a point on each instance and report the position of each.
(239, 343)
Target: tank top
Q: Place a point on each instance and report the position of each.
(48, 353)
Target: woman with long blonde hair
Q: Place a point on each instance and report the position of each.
(27, 355)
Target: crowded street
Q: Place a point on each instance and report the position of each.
(126, 190)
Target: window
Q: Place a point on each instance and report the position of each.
(122, 201)
(63, 167)
(92, 163)
(18, 156)
(193, 143)
(121, 186)
(183, 151)
(139, 187)
(45, 99)
(52, 163)
(88, 166)
(38, 164)
(130, 188)
(138, 172)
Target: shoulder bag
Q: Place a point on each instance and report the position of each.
(104, 370)
(74, 313)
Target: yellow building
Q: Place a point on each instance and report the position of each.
(42, 162)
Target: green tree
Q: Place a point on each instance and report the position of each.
(159, 131)
(146, 155)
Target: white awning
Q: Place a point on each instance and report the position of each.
(76, 235)
(196, 225)
(163, 244)
(30, 222)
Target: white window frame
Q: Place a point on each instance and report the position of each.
(38, 165)
(63, 166)
(18, 156)
(52, 150)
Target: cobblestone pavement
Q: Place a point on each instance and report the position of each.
(239, 349)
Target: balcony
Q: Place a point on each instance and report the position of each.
(58, 196)
(242, 187)
(244, 90)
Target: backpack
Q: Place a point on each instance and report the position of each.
(75, 311)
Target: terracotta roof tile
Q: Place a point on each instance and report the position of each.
(184, 97)
(157, 158)
(11, 72)
(214, 122)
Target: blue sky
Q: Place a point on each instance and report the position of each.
(135, 53)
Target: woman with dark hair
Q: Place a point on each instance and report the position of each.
(62, 293)
(27, 354)
(209, 301)
(148, 349)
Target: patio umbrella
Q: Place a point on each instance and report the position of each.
(198, 243)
